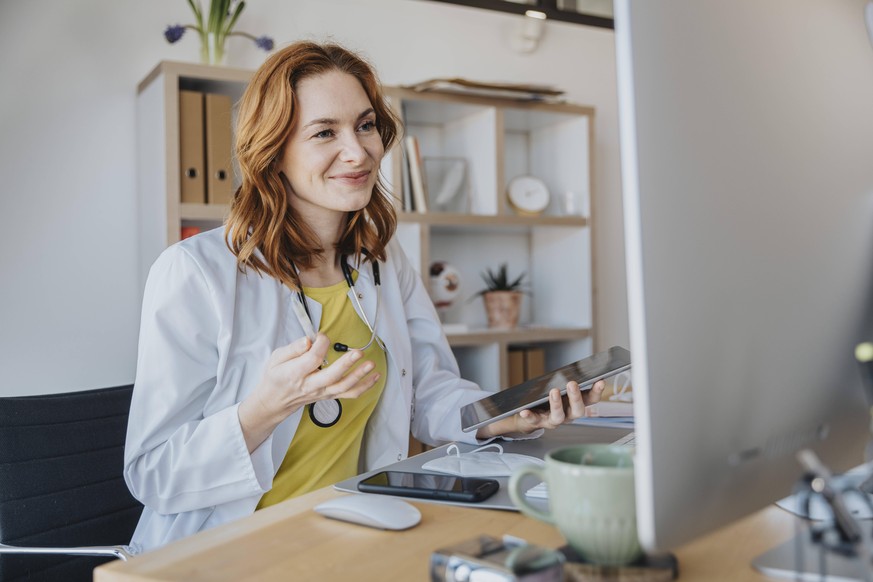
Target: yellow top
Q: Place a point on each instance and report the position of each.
(318, 456)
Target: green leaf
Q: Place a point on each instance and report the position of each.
(217, 14)
(232, 21)
(499, 280)
(198, 12)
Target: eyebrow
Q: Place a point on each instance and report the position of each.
(332, 121)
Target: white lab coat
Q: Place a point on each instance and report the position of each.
(206, 334)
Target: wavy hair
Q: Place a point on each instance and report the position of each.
(263, 230)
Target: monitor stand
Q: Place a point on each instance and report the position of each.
(800, 559)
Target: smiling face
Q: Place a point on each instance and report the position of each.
(332, 156)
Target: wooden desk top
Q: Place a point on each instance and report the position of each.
(289, 541)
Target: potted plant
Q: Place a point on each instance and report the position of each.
(214, 27)
(502, 297)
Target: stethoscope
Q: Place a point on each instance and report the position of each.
(326, 413)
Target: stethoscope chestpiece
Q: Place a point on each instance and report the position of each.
(325, 413)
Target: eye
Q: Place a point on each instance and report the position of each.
(324, 133)
(368, 125)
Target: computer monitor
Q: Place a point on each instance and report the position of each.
(747, 165)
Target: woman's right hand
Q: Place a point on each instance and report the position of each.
(293, 379)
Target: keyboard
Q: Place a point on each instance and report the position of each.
(539, 491)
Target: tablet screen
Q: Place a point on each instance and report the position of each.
(535, 391)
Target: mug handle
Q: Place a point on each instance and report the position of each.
(517, 495)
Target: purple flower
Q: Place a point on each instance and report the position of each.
(265, 43)
(174, 33)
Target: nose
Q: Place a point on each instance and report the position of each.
(353, 149)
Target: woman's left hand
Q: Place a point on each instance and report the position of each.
(561, 410)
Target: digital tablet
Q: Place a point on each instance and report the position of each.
(535, 392)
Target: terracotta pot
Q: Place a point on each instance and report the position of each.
(502, 308)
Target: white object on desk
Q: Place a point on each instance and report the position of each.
(372, 511)
(541, 490)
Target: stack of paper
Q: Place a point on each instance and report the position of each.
(517, 91)
(616, 406)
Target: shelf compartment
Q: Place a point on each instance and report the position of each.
(447, 129)
(554, 147)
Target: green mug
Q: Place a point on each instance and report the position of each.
(591, 500)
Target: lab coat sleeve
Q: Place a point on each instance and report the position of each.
(439, 390)
(185, 449)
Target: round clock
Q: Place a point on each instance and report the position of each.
(528, 195)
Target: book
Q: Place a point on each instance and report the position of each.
(416, 174)
(406, 182)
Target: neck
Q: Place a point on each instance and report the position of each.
(324, 273)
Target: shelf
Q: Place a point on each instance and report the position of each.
(467, 220)
(199, 77)
(219, 212)
(499, 140)
(519, 335)
(203, 211)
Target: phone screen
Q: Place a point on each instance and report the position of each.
(428, 486)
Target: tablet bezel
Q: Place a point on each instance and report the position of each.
(534, 392)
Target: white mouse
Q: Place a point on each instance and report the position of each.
(371, 510)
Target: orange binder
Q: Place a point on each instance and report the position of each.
(219, 179)
(534, 362)
(516, 367)
(192, 182)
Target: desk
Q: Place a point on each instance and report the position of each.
(289, 541)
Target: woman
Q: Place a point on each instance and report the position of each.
(238, 403)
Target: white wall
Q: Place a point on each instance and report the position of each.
(68, 243)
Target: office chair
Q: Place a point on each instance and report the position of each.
(63, 499)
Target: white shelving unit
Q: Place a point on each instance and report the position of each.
(161, 212)
(499, 140)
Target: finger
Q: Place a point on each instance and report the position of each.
(316, 356)
(345, 371)
(356, 382)
(293, 350)
(556, 408)
(362, 386)
(340, 367)
(532, 417)
(576, 403)
(593, 396)
(320, 347)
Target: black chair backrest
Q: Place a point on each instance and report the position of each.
(61, 482)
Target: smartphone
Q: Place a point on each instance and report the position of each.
(429, 486)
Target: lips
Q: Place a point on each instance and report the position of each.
(353, 178)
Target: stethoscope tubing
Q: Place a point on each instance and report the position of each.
(326, 413)
(347, 274)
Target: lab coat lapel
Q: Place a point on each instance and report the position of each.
(283, 433)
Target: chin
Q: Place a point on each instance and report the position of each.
(356, 202)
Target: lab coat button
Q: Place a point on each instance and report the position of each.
(403, 372)
(360, 295)
(399, 456)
